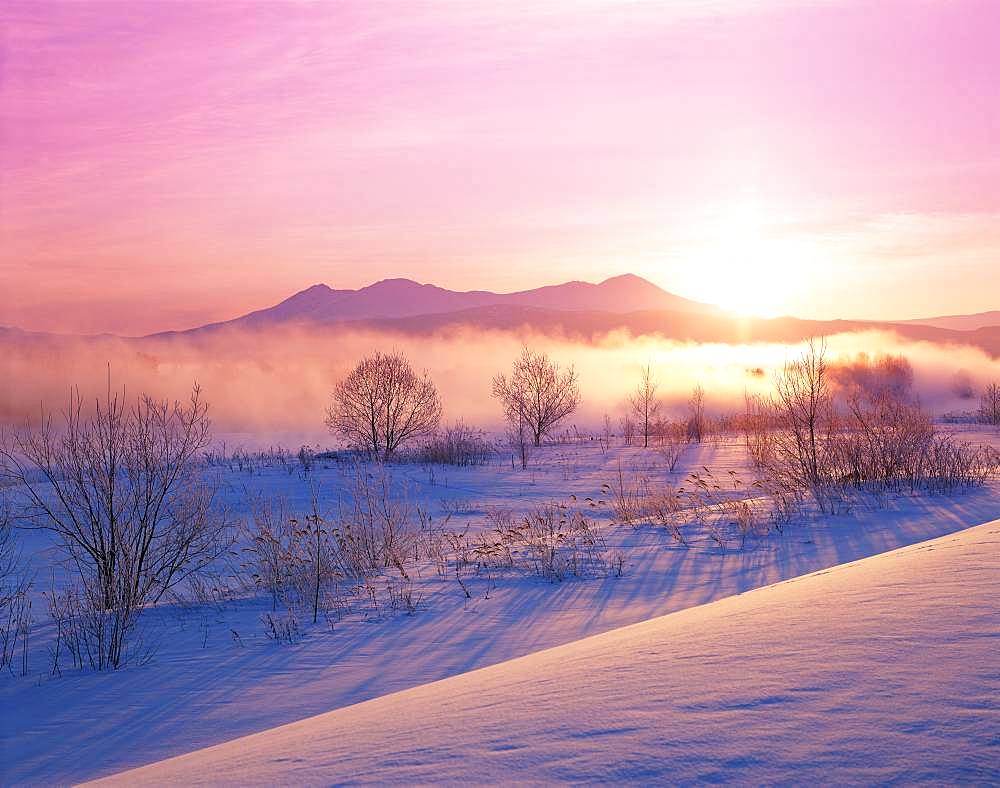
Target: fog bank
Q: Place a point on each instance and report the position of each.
(275, 386)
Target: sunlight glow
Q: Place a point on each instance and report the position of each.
(746, 265)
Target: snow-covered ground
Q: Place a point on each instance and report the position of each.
(216, 676)
(881, 671)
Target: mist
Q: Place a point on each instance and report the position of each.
(274, 387)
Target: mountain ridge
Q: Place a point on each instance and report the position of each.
(405, 298)
(970, 322)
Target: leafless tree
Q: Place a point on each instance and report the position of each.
(538, 393)
(756, 424)
(644, 402)
(696, 415)
(628, 429)
(803, 403)
(383, 403)
(14, 584)
(989, 405)
(519, 440)
(121, 488)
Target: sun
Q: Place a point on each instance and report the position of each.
(746, 266)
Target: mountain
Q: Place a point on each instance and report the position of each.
(961, 322)
(404, 298)
(581, 311)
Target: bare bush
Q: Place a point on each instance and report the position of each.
(15, 604)
(270, 546)
(696, 421)
(672, 442)
(757, 429)
(281, 627)
(882, 442)
(121, 489)
(873, 375)
(626, 495)
(375, 530)
(804, 410)
(457, 444)
(383, 403)
(95, 638)
(989, 405)
(627, 425)
(314, 558)
(561, 540)
(666, 510)
(875, 438)
(537, 394)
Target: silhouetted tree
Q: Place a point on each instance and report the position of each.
(537, 394)
(803, 404)
(122, 490)
(989, 405)
(696, 415)
(383, 403)
(644, 402)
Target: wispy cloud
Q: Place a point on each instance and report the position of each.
(253, 148)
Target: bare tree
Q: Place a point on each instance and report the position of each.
(803, 404)
(644, 402)
(15, 606)
(628, 429)
(538, 393)
(121, 489)
(519, 441)
(696, 415)
(989, 405)
(383, 403)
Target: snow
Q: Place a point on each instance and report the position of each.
(206, 686)
(883, 670)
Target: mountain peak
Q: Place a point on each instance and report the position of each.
(631, 281)
(626, 278)
(404, 298)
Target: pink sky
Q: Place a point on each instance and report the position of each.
(164, 164)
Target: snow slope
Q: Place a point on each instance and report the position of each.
(887, 669)
(205, 687)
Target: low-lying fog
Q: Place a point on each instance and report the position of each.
(274, 387)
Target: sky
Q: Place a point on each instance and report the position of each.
(166, 164)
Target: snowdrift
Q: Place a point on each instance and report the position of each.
(880, 670)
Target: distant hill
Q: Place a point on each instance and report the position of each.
(575, 310)
(961, 322)
(402, 298)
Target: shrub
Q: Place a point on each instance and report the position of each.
(458, 444)
(122, 490)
